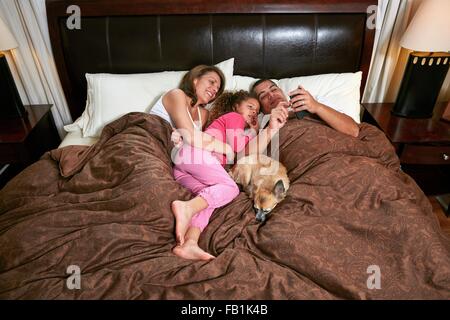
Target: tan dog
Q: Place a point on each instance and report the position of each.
(264, 180)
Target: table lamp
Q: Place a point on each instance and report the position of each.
(428, 35)
(10, 103)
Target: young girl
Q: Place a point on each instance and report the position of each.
(203, 171)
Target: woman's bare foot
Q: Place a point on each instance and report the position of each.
(183, 215)
(191, 250)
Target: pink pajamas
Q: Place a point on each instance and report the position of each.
(202, 172)
(206, 178)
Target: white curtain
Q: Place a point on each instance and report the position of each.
(32, 63)
(392, 20)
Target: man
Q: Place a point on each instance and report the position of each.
(274, 101)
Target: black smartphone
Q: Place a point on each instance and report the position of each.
(300, 114)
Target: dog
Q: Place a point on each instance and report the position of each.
(264, 180)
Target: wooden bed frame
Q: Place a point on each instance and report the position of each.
(267, 38)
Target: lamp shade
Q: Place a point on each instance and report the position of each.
(429, 30)
(7, 40)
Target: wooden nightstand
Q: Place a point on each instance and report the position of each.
(24, 140)
(423, 145)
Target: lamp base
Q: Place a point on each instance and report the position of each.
(421, 84)
(11, 104)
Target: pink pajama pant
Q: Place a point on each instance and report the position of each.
(200, 172)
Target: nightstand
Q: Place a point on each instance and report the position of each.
(25, 140)
(423, 145)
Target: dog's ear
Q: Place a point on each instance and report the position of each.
(279, 189)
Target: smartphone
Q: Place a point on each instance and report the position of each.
(300, 114)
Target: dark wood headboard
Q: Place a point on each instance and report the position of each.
(267, 38)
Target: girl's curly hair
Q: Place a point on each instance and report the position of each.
(226, 101)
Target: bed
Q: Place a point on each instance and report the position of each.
(353, 225)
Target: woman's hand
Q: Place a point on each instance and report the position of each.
(176, 138)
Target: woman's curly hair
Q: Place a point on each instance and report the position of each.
(226, 102)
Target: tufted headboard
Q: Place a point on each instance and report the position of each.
(267, 38)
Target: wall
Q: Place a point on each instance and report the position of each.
(401, 64)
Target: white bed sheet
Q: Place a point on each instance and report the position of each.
(76, 138)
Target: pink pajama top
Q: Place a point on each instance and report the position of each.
(229, 128)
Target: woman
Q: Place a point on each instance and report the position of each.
(184, 109)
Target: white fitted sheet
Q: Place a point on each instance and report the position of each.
(76, 138)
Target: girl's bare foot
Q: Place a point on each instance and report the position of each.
(183, 215)
(191, 250)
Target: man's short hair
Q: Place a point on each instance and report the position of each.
(257, 83)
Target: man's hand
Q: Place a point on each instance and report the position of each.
(303, 100)
(176, 138)
(279, 115)
(337, 120)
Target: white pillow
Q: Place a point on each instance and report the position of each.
(338, 90)
(110, 96)
(243, 82)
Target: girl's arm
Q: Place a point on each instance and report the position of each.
(175, 103)
(278, 118)
(259, 143)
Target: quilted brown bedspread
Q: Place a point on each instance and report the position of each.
(106, 209)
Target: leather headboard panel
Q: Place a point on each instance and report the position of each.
(263, 45)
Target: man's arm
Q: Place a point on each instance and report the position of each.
(337, 120)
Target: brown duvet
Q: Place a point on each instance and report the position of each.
(349, 208)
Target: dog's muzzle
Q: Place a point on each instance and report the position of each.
(261, 215)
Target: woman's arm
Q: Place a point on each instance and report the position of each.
(175, 102)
